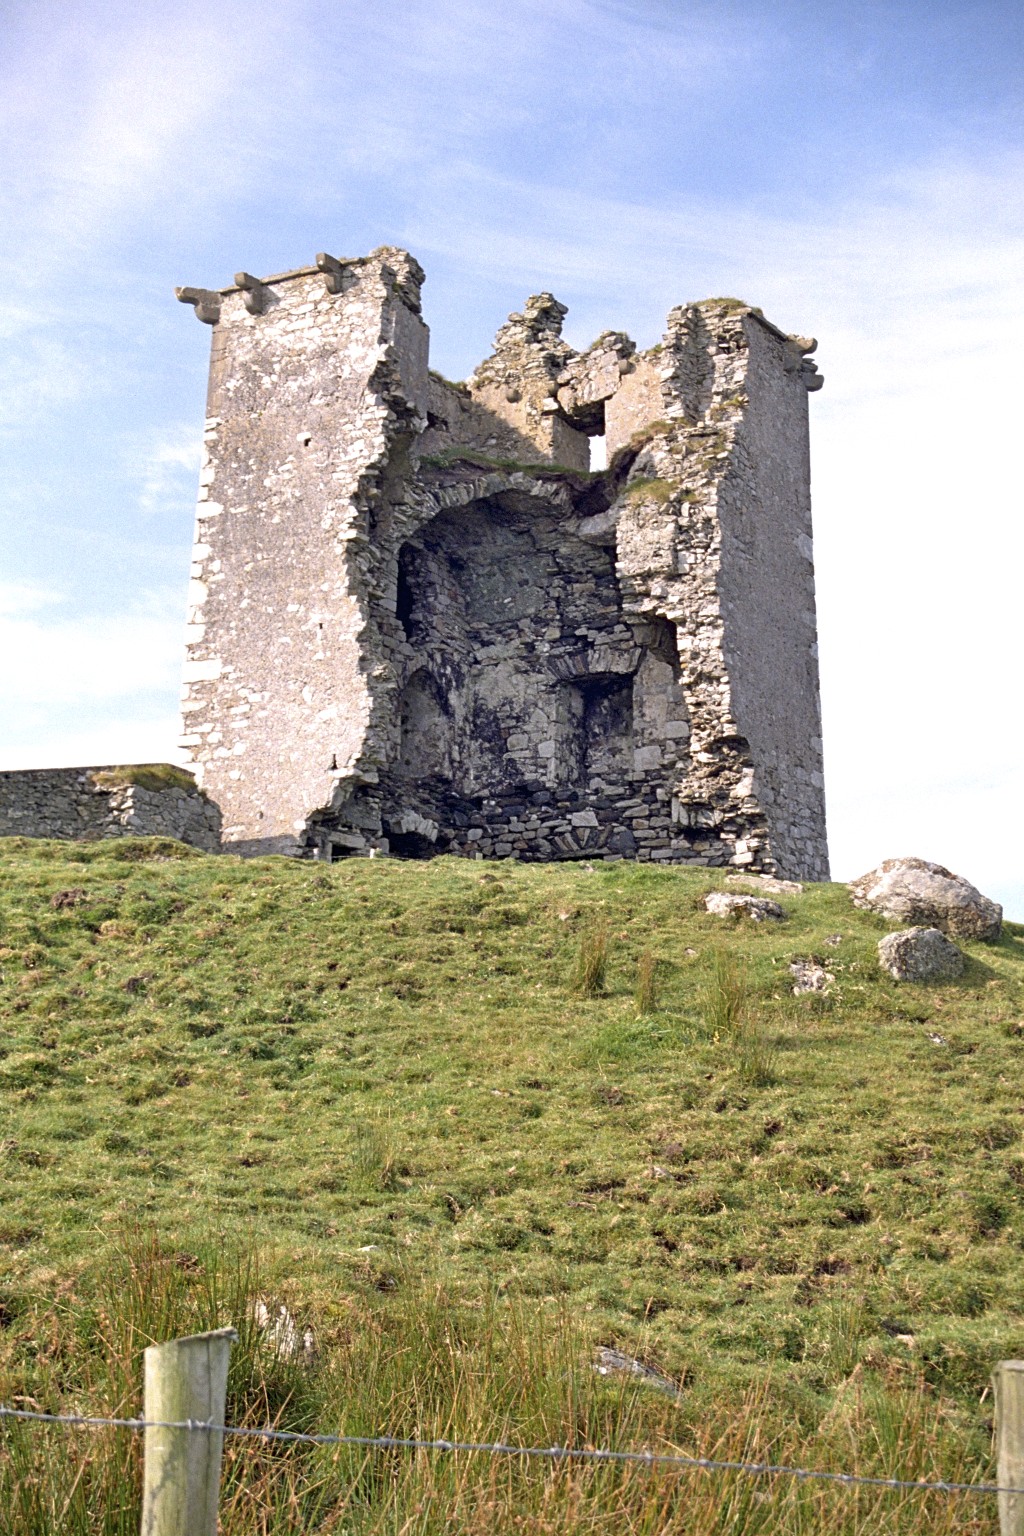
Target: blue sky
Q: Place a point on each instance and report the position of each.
(855, 169)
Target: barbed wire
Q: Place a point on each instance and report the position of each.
(548, 1452)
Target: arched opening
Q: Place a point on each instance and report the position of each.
(536, 717)
(410, 845)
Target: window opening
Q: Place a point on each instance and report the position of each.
(405, 601)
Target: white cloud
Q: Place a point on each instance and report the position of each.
(117, 738)
(87, 689)
(20, 597)
(80, 661)
(106, 105)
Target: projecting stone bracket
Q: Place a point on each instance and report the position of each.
(205, 303)
(255, 295)
(797, 361)
(335, 272)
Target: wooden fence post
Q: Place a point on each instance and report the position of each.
(1008, 1390)
(185, 1379)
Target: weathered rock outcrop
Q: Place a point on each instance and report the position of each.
(915, 891)
(920, 954)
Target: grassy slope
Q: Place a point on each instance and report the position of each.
(381, 1068)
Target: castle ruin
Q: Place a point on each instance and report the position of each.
(418, 623)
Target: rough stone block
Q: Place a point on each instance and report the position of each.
(920, 954)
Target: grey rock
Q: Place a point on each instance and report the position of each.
(915, 891)
(920, 954)
(757, 908)
(282, 1333)
(612, 1362)
(809, 976)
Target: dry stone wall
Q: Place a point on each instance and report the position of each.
(419, 624)
(82, 803)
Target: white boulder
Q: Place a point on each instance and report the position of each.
(917, 892)
(809, 976)
(757, 908)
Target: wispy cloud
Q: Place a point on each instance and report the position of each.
(71, 660)
(21, 597)
(166, 468)
(106, 107)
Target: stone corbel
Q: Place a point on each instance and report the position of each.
(334, 271)
(205, 303)
(254, 295)
(797, 360)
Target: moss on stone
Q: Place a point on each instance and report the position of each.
(456, 384)
(450, 456)
(154, 776)
(650, 489)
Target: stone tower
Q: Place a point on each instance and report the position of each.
(419, 624)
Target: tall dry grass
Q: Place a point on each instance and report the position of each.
(592, 962)
(645, 993)
(419, 1365)
(722, 993)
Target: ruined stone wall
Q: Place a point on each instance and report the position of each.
(77, 803)
(315, 389)
(528, 712)
(766, 583)
(420, 624)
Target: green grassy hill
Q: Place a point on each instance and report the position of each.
(385, 1077)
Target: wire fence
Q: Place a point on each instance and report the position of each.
(544, 1452)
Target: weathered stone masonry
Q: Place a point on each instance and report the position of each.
(418, 623)
(87, 803)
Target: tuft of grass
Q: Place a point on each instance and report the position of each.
(649, 488)
(844, 1327)
(722, 994)
(755, 1052)
(374, 1158)
(592, 962)
(728, 302)
(457, 384)
(646, 993)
